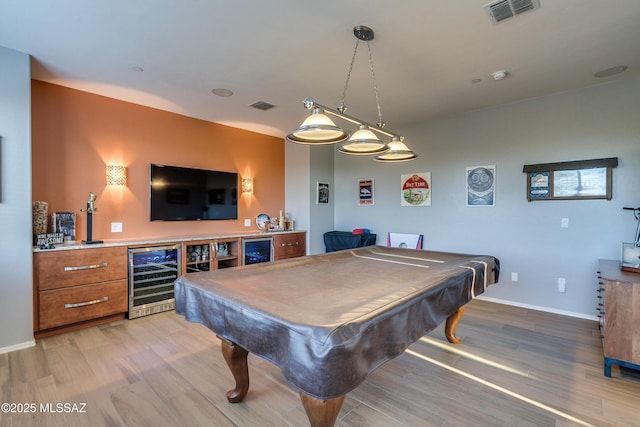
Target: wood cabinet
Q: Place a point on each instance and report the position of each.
(197, 256)
(289, 245)
(619, 294)
(205, 255)
(78, 288)
(82, 286)
(227, 252)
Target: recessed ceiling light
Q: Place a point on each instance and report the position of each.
(220, 91)
(499, 75)
(608, 72)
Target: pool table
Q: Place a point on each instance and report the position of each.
(328, 320)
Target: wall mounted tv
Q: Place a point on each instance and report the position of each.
(187, 194)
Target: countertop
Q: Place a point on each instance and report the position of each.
(141, 241)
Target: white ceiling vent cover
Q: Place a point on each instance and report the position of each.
(504, 9)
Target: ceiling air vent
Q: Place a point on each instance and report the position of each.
(504, 9)
(261, 105)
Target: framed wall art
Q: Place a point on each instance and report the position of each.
(415, 189)
(481, 185)
(365, 191)
(582, 179)
(322, 193)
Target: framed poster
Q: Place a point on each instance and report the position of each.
(365, 191)
(481, 185)
(415, 189)
(539, 185)
(322, 193)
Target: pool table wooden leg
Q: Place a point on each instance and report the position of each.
(321, 413)
(236, 358)
(451, 324)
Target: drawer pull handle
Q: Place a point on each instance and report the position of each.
(291, 244)
(87, 267)
(86, 303)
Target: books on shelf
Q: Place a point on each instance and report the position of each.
(64, 222)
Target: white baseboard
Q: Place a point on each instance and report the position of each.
(16, 347)
(539, 308)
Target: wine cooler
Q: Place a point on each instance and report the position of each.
(257, 250)
(152, 272)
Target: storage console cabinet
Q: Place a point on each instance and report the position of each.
(79, 288)
(84, 286)
(205, 255)
(619, 294)
(289, 245)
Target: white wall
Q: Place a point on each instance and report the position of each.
(16, 294)
(597, 122)
(322, 215)
(296, 185)
(305, 166)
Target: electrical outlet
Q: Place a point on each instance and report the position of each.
(564, 223)
(247, 223)
(116, 227)
(562, 285)
(514, 277)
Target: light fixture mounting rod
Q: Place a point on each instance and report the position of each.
(310, 104)
(363, 33)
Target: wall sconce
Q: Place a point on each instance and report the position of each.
(116, 175)
(247, 185)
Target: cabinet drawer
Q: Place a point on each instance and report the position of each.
(289, 245)
(60, 269)
(76, 304)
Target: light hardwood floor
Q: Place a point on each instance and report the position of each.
(514, 367)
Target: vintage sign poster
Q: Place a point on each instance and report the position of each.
(416, 189)
(365, 189)
(539, 185)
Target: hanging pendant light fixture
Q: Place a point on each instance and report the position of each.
(363, 141)
(398, 152)
(318, 128)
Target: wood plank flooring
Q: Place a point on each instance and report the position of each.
(514, 367)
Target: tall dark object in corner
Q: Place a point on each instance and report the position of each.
(90, 210)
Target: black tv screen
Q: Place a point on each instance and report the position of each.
(187, 194)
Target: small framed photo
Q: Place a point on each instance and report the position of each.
(322, 193)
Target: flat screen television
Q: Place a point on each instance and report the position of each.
(188, 194)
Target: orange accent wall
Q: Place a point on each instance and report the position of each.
(76, 134)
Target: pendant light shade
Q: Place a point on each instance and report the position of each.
(318, 128)
(363, 141)
(398, 152)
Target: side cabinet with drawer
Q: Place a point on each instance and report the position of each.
(79, 288)
(619, 293)
(289, 245)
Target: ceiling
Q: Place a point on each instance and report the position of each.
(432, 58)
